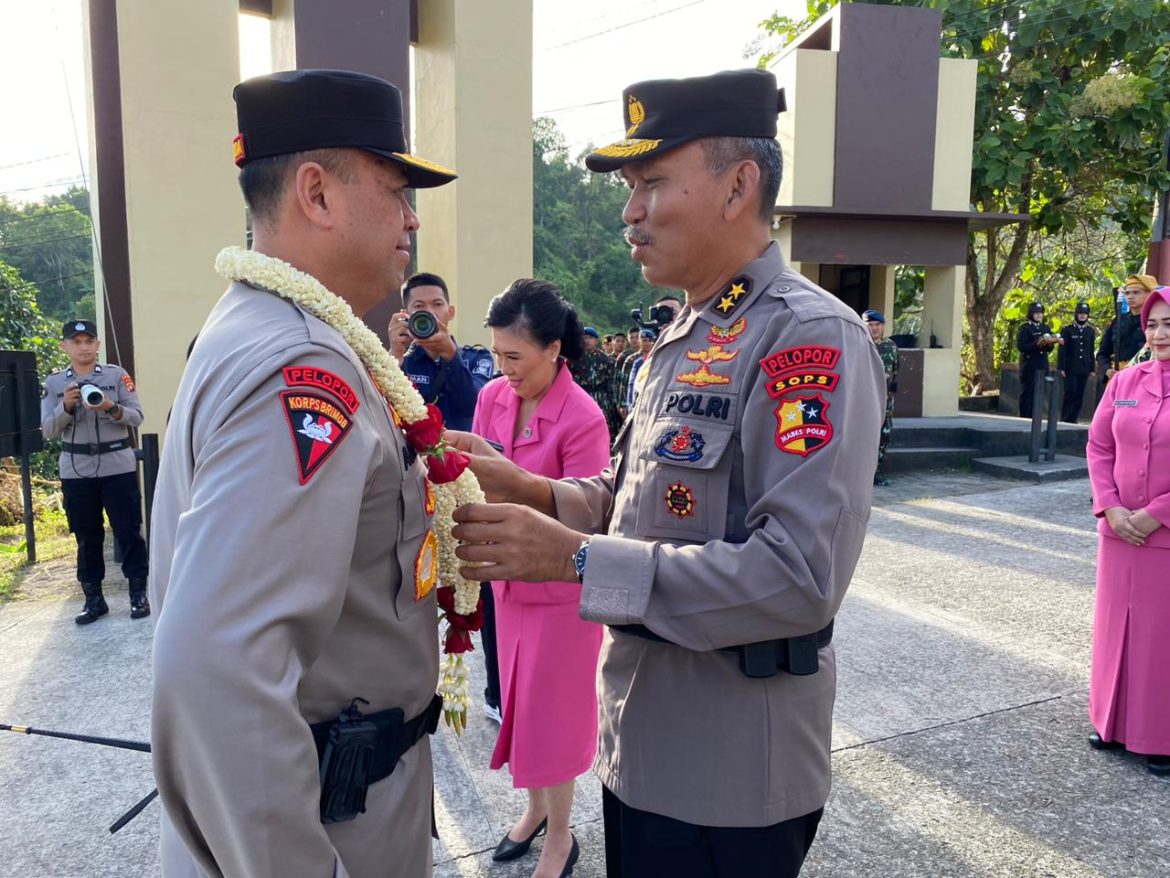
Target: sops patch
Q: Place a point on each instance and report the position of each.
(680, 500)
(802, 426)
(682, 445)
(715, 407)
(317, 425)
(777, 387)
(719, 335)
(727, 301)
(311, 376)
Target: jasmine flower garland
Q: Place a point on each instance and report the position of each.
(453, 484)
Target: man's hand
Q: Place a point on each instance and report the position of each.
(514, 542)
(1109, 373)
(1119, 520)
(502, 481)
(72, 396)
(1063, 374)
(399, 334)
(439, 345)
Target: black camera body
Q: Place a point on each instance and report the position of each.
(660, 316)
(422, 324)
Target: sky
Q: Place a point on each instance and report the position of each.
(583, 56)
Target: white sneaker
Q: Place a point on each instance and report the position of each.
(492, 713)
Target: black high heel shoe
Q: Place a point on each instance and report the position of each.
(1159, 765)
(571, 860)
(514, 850)
(1099, 743)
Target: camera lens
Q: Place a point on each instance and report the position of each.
(92, 395)
(422, 324)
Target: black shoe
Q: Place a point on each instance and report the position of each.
(1099, 743)
(95, 604)
(139, 605)
(514, 850)
(881, 482)
(1159, 765)
(575, 853)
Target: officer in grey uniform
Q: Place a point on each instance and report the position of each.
(97, 465)
(290, 519)
(720, 543)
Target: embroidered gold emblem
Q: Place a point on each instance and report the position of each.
(625, 149)
(712, 354)
(702, 377)
(636, 113)
(423, 163)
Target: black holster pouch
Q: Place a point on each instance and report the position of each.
(357, 750)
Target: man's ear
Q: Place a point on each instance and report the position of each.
(743, 189)
(450, 312)
(314, 191)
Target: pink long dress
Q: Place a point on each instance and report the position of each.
(547, 653)
(1129, 465)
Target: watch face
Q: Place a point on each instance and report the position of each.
(579, 560)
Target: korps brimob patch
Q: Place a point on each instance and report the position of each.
(317, 425)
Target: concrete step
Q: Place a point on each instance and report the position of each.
(930, 437)
(899, 460)
(1066, 466)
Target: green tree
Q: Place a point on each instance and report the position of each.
(577, 238)
(50, 241)
(1072, 107)
(22, 325)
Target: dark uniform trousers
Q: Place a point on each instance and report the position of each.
(639, 844)
(1074, 396)
(120, 497)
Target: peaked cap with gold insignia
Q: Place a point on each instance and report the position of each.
(298, 110)
(661, 114)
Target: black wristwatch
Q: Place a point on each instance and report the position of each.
(579, 559)
(113, 410)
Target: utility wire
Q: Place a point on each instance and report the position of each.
(619, 26)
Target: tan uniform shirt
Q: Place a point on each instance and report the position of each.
(285, 536)
(735, 509)
(84, 427)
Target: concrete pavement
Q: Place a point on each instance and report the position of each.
(959, 746)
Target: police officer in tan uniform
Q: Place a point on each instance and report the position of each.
(97, 465)
(720, 543)
(288, 522)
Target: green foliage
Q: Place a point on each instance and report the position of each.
(22, 325)
(577, 238)
(1072, 108)
(50, 242)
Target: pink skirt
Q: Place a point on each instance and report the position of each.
(548, 682)
(1129, 687)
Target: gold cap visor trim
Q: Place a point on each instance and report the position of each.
(625, 149)
(425, 165)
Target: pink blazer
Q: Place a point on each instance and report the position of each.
(1129, 449)
(569, 439)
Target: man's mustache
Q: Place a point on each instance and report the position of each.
(634, 235)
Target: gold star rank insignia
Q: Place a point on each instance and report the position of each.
(733, 296)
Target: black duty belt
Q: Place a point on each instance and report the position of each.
(356, 750)
(95, 447)
(795, 655)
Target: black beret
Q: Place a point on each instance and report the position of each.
(299, 110)
(661, 114)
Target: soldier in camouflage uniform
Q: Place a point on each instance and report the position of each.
(593, 371)
(888, 351)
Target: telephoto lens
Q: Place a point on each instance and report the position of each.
(422, 324)
(92, 395)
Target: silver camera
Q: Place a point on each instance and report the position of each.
(91, 395)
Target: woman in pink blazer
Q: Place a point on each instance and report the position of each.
(1129, 465)
(547, 424)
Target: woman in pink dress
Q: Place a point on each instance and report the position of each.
(547, 424)
(1129, 465)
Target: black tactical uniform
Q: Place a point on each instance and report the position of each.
(1075, 362)
(1031, 343)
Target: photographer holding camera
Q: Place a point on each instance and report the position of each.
(1034, 341)
(92, 407)
(444, 373)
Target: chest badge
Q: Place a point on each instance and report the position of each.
(719, 335)
(680, 500)
(703, 376)
(426, 566)
(802, 426)
(682, 445)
